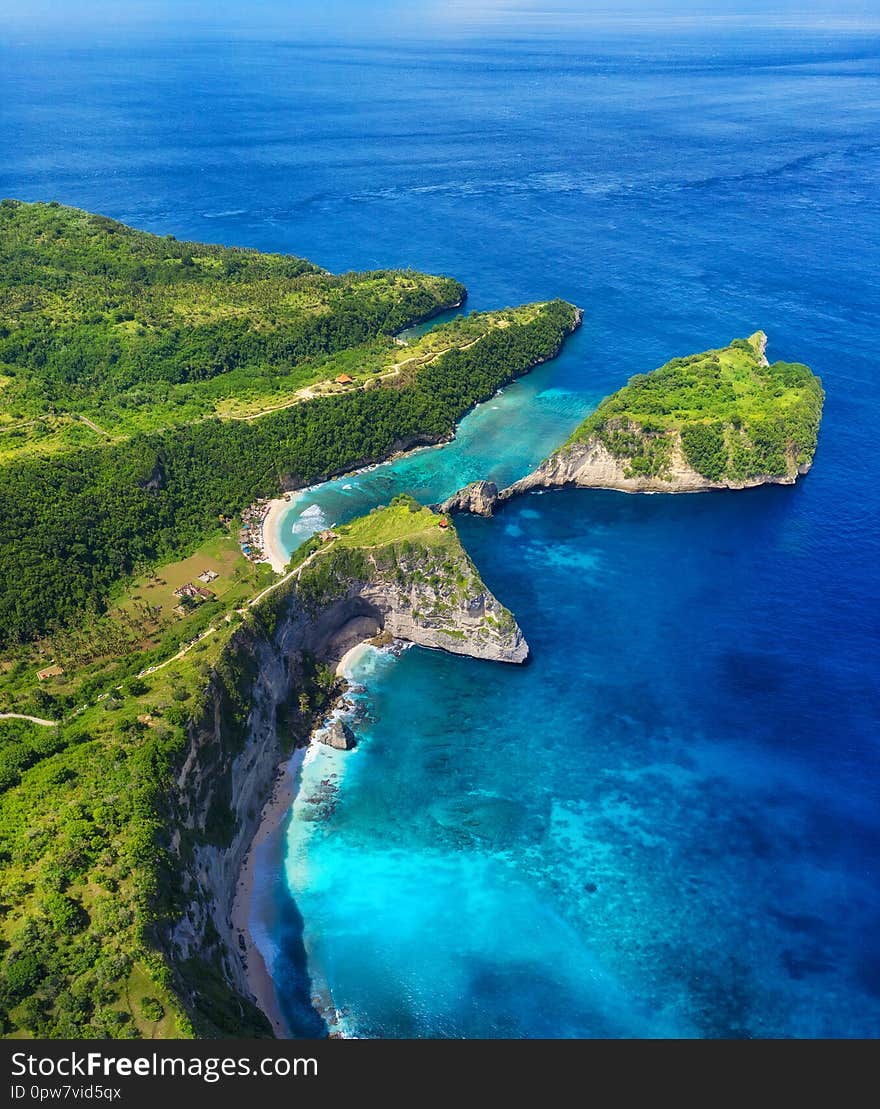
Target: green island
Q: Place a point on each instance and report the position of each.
(723, 419)
(151, 391)
(123, 827)
(735, 417)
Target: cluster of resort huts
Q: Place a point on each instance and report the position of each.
(251, 535)
(191, 594)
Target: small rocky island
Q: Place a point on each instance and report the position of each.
(723, 419)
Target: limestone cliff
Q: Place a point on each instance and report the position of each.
(592, 465)
(263, 697)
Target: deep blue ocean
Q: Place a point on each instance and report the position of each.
(668, 823)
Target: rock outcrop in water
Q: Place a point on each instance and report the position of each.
(396, 571)
(337, 735)
(479, 499)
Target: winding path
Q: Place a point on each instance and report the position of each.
(33, 719)
(241, 611)
(184, 650)
(93, 425)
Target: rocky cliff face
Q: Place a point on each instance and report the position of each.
(438, 613)
(253, 705)
(590, 465)
(729, 412)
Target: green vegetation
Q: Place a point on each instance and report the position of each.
(106, 331)
(153, 341)
(79, 840)
(404, 520)
(735, 417)
(99, 652)
(96, 838)
(91, 882)
(73, 525)
(149, 391)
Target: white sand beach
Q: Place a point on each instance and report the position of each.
(273, 550)
(350, 659)
(259, 980)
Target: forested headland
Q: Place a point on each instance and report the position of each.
(136, 332)
(149, 391)
(77, 519)
(106, 818)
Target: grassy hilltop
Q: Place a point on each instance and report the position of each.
(734, 417)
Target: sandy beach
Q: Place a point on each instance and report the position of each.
(273, 552)
(258, 978)
(350, 658)
(245, 906)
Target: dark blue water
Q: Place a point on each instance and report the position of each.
(669, 823)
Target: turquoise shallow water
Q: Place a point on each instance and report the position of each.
(669, 822)
(485, 446)
(643, 832)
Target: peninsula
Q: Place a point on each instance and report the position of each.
(723, 419)
(121, 881)
(172, 384)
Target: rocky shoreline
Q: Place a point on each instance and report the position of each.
(590, 465)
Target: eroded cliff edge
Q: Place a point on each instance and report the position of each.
(723, 419)
(402, 571)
